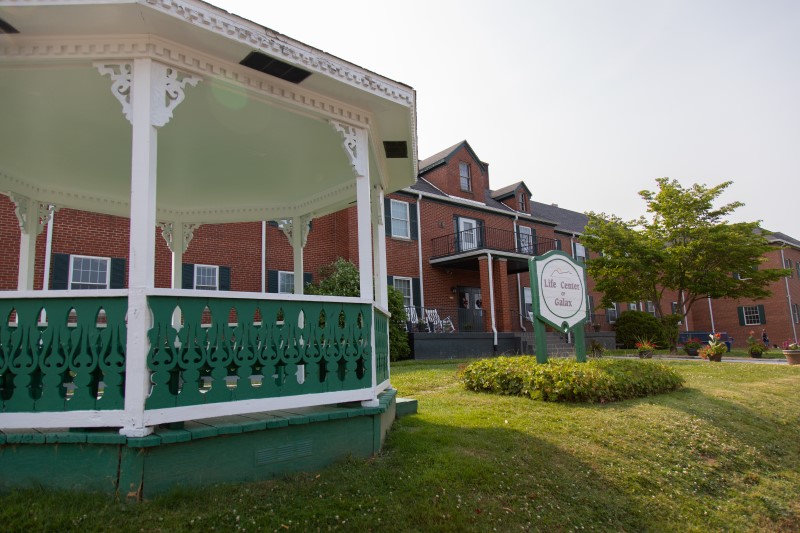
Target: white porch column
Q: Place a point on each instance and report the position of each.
(177, 235)
(296, 230)
(148, 92)
(32, 217)
(379, 249)
(356, 147)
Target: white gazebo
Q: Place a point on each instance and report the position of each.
(175, 113)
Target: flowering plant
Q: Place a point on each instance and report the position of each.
(692, 345)
(715, 347)
(645, 346)
(755, 346)
(789, 345)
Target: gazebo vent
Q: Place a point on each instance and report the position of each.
(274, 67)
(395, 149)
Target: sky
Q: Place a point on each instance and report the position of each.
(588, 101)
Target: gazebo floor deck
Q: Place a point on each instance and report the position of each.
(237, 448)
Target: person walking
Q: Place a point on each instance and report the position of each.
(765, 338)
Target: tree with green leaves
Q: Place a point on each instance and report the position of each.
(686, 245)
(341, 278)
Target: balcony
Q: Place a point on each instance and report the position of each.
(461, 248)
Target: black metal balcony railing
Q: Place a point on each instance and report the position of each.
(483, 238)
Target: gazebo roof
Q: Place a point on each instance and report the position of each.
(242, 145)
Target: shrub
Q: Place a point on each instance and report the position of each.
(341, 278)
(564, 380)
(634, 325)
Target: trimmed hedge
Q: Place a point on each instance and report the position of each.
(565, 380)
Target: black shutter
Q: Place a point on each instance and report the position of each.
(308, 278)
(740, 312)
(117, 278)
(416, 293)
(558, 244)
(762, 317)
(481, 234)
(188, 276)
(412, 215)
(224, 278)
(60, 274)
(387, 216)
(272, 281)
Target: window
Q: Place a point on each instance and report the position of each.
(611, 313)
(526, 245)
(400, 222)
(523, 204)
(206, 277)
(527, 302)
(466, 177)
(285, 282)
(651, 308)
(88, 272)
(579, 252)
(468, 236)
(787, 263)
(404, 286)
(674, 308)
(751, 315)
(796, 313)
(633, 306)
(590, 308)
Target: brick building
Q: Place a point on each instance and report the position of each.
(453, 245)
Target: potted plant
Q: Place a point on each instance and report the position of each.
(755, 347)
(645, 347)
(714, 349)
(791, 350)
(692, 346)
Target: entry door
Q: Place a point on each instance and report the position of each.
(468, 231)
(470, 312)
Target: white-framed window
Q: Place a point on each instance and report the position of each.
(404, 286)
(527, 301)
(465, 174)
(674, 307)
(611, 313)
(633, 306)
(787, 263)
(285, 282)
(580, 252)
(796, 313)
(86, 272)
(590, 308)
(206, 277)
(651, 308)
(523, 204)
(525, 240)
(751, 316)
(400, 223)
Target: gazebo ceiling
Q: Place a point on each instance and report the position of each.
(242, 145)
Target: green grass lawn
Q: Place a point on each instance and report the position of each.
(722, 454)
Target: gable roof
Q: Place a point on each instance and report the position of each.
(567, 221)
(776, 237)
(444, 156)
(509, 190)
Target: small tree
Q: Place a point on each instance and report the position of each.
(687, 246)
(341, 278)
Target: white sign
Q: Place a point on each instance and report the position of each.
(562, 294)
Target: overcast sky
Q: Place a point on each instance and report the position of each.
(588, 101)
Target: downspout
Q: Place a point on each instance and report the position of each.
(491, 301)
(263, 256)
(48, 249)
(419, 250)
(789, 298)
(711, 313)
(520, 296)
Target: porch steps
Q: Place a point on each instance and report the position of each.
(225, 449)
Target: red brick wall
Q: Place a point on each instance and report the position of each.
(448, 178)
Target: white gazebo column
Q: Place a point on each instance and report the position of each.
(296, 230)
(32, 217)
(379, 249)
(148, 92)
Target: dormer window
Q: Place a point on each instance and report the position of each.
(523, 205)
(466, 177)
